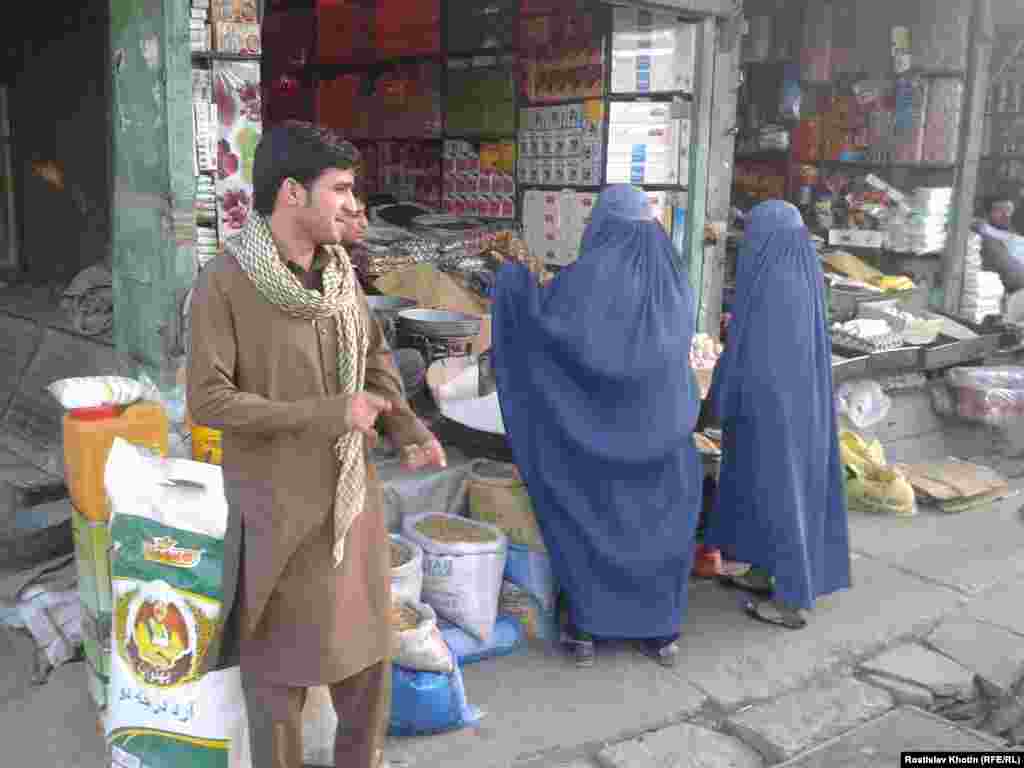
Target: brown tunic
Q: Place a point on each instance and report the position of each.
(270, 382)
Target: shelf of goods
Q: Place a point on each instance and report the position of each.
(227, 115)
(518, 111)
(873, 90)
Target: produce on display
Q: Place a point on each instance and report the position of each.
(866, 335)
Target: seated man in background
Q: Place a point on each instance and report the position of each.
(1002, 249)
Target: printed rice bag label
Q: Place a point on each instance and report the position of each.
(164, 627)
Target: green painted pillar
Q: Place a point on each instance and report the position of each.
(152, 176)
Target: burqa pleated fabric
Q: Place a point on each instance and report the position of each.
(781, 504)
(599, 404)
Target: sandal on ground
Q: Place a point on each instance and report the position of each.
(770, 612)
(666, 655)
(580, 646)
(754, 580)
(581, 651)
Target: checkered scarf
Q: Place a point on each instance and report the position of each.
(257, 254)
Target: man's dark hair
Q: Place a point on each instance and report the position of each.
(300, 151)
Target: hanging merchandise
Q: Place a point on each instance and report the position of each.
(561, 144)
(942, 122)
(652, 52)
(236, 86)
(560, 58)
(911, 105)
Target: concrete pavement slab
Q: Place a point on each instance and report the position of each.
(539, 701)
(735, 659)
(54, 725)
(902, 693)
(1001, 606)
(993, 653)
(891, 538)
(784, 728)
(880, 741)
(681, 746)
(913, 663)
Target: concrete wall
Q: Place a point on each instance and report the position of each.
(60, 114)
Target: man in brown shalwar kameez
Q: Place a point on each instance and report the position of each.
(288, 362)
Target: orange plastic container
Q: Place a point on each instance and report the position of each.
(88, 437)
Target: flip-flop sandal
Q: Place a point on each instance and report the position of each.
(770, 613)
(751, 580)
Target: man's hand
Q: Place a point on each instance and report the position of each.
(428, 454)
(363, 411)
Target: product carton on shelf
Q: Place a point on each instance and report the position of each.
(237, 38)
(239, 11)
(652, 52)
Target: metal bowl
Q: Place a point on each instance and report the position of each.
(438, 324)
(386, 309)
(393, 304)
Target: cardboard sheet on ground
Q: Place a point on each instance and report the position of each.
(954, 484)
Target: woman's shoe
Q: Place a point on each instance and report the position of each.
(771, 612)
(666, 655)
(581, 651)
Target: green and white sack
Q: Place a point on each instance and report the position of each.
(168, 523)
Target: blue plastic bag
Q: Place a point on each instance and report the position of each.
(506, 638)
(425, 703)
(531, 572)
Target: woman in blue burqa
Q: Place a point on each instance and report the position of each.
(599, 405)
(781, 505)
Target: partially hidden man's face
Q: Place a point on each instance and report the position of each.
(1001, 215)
(357, 225)
(326, 204)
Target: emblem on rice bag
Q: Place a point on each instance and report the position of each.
(162, 635)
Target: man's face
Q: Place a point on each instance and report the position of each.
(1001, 215)
(326, 203)
(357, 225)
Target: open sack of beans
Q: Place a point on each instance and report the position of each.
(463, 565)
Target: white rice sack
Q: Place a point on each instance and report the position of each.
(167, 529)
(462, 574)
